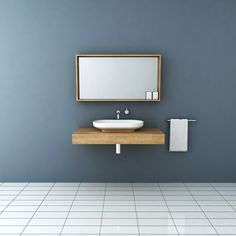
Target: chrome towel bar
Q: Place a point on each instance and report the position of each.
(188, 120)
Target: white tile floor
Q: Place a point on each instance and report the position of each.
(126, 209)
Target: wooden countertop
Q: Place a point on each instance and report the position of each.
(95, 136)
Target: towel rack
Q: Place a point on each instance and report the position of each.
(188, 120)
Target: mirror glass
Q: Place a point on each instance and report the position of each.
(117, 77)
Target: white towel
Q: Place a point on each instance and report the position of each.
(178, 135)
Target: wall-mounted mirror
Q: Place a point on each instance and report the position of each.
(125, 77)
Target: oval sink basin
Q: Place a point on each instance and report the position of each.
(118, 125)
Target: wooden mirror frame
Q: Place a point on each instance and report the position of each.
(77, 56)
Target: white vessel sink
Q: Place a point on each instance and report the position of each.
(118, 125)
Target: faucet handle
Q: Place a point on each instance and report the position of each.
(126, 111)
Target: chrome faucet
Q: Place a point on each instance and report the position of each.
(117, 114)
(126, 112)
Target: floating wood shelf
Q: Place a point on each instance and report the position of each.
(95, 136)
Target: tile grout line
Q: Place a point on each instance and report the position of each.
(36, 210)
(104, 199)
(222, 197)
(116, 200)
(136, 213)
(176, 228)
(201, 208)
(14, 198)
(69, 210)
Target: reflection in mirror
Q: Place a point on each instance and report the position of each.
(118, 77)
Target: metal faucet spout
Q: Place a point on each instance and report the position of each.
(118, 114)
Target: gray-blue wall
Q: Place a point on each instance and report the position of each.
(38, 112)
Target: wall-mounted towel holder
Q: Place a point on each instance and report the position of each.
(188, 120)
(179, 135)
